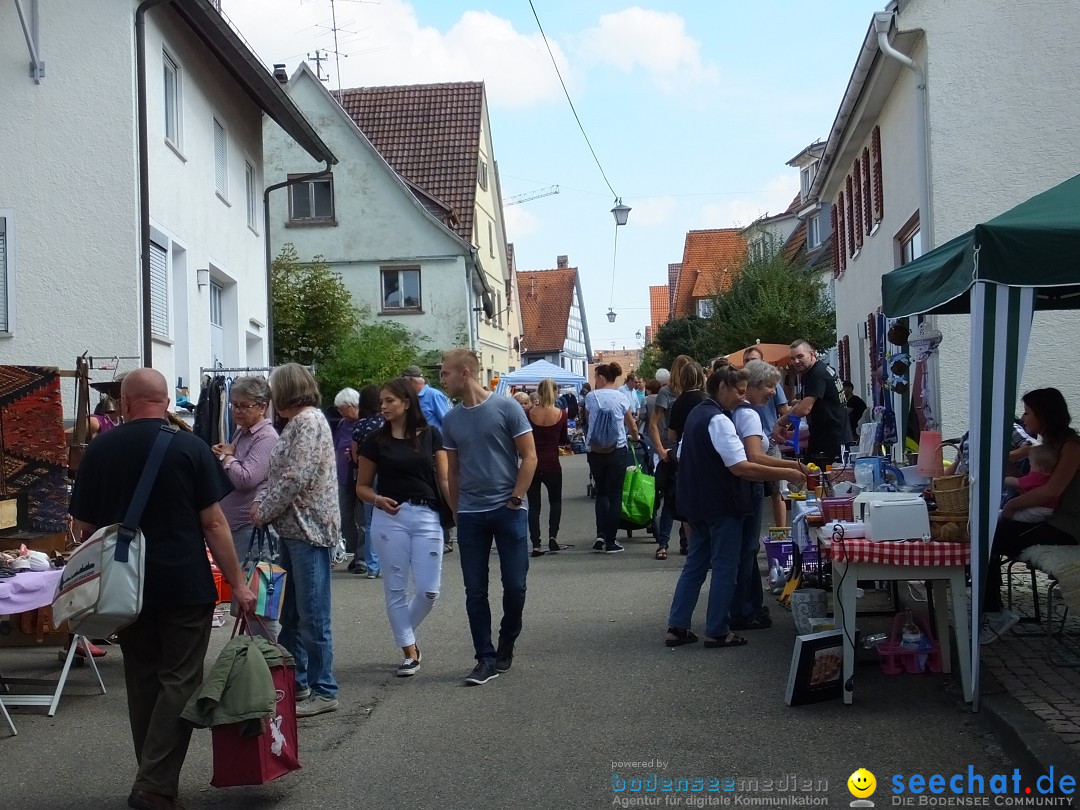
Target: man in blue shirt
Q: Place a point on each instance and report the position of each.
(433, 402)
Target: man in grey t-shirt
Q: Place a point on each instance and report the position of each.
(491, 458)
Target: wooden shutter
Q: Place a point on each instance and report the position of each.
(879, 193)
(836, 251)
(849, 219)
(220, 164)
(841, 233)
(159, 290)
(4, 320)
(868, 213)
(857, 203)
(845, 358)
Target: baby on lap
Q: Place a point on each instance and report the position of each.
(1043, 459)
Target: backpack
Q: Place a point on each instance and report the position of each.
(603, 431)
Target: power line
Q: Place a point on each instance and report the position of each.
(568, 99)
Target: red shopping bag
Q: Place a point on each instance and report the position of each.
(241, 759)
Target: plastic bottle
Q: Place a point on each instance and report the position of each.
(777, 577)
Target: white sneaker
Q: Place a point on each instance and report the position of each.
(996, 625)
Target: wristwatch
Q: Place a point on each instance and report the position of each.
(515, 500)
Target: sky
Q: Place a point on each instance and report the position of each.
(693, 108)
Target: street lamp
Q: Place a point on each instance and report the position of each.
(611, 315)
(638, 334)
(620, 212)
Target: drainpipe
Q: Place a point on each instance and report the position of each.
(144, 174)
(471, 266)
(269, 256)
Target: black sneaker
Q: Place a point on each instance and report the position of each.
(408, 667)
(504, 658)
(483, 672)
(614, 548)
(599, 544)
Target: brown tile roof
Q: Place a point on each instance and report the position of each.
(673, 284)
(546, 297)
(430, 134)
(795, 243)
(659, 305)
(710, 261)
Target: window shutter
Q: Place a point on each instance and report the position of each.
(159, 291)
(849, 223)
(879, 193)
(835, 246)
(868, 213)
(3, 275)
(857, 203)
(841, 233)
(845, 358)
(219, 158)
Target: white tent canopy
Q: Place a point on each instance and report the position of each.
(535, 373)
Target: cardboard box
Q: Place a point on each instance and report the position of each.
(35, 541)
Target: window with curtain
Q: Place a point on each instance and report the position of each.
(401, 288)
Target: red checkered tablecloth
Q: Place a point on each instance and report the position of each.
(899, 553)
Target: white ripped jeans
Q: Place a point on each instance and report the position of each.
(410, 541)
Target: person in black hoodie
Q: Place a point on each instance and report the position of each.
(714, 494)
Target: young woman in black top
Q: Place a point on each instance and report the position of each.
(407, 455)
(691, 387)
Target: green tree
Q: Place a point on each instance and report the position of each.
(690, 335)
(650, 362)
(373, 352)
(313, 311)
(774, 302)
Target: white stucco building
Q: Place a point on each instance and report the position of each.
(131, 187)
(954, 113)
(412, 217)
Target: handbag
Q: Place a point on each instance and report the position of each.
(101, 588)
(243, 759)
(265, 578)
(638, 494)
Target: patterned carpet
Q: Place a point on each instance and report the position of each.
(34, 448)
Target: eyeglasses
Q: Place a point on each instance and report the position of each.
(247, 406)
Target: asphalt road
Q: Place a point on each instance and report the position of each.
(593, 698)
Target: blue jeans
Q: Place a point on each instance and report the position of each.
(714, 543)
(608, 471)
(371, 557)
(749, 595)
(509, 528)
(305, 615)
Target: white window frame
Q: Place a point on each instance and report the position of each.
(705, 308)
(171, 65)
(251, 189)
(383, 271)
(157, 333)
(491, 238)
(482, 174)
(308, 186)
(813, 231)
(7, 274)
(909, 242)
(221, 179)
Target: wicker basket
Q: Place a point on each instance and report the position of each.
(948, 528)
(951, 492)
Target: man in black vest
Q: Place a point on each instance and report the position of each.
(822, 399)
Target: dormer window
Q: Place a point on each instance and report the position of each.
(806, 179)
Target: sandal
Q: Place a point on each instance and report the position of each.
(731, 640)
(661, 554)
(681, 637)
(537, 551)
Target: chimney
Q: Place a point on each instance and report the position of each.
(280, 74)
(562, 262)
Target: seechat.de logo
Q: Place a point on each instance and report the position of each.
(862, 784)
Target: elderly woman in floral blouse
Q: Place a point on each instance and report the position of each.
(301, 502)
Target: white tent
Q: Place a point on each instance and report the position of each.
(534, 373)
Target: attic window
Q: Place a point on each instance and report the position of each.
(481, 174)
(312, 201)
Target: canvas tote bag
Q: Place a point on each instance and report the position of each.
(101, 588)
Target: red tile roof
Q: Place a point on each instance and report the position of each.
(659, 306)
(546, 297)
(430, 134)
(795, 243)
(673, 271)
(710, 261)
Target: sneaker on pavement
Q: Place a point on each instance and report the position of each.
(483, 672)
(599, 544)
(316, 704)
(303, 694)
(614, 548)
(408, 668)
(504, 658)
(373, 574)
(996, 625)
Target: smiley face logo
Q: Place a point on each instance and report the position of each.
(861, 783)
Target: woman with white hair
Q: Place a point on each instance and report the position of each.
(347, 403)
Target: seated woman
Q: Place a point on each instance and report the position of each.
(1046, 415)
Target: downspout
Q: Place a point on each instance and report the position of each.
(269, 256)
(471, 267)
(144, 174)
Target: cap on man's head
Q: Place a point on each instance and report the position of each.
(412, 371)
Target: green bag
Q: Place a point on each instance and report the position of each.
(638, 495)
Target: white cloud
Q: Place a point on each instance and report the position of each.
(773, 199)
(653, 211)
(388, 45)
(654, 41)
(519, 222)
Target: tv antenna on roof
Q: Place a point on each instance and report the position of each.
(318, 59)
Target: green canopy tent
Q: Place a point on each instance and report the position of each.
(1000, 272)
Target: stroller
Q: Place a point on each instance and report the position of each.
(643, 452)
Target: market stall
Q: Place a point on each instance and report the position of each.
(1000, 272)
(535, 373)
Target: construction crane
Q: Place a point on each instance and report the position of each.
(531, 195)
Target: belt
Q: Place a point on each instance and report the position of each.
(430, 504)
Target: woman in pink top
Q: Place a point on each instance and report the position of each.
(549, 434)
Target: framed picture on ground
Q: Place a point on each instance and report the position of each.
(817, 668)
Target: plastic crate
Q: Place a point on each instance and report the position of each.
(782, 551)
